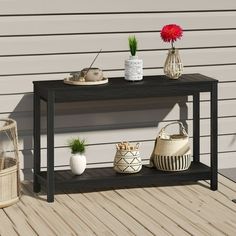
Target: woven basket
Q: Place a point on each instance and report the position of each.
(9, 168)
(128, 161)
(173, 163)
(172, 152)
(8, 179)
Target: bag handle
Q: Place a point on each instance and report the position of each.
(183, 130)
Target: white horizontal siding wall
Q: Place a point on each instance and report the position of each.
(45, 40)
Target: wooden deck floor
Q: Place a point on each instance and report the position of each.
(173, 210)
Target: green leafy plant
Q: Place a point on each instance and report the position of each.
(77, 146)
(133, 45)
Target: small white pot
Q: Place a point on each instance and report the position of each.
(77, 163)
(134, 69)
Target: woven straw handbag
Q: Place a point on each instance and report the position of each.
(171, 152)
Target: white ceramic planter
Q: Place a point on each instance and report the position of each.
(134, 69)
(77, 163)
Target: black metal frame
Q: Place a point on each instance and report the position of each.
(151, 86)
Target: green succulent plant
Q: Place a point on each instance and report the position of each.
(133, 45)
(77, 146)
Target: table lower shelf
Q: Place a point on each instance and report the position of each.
(107, 177)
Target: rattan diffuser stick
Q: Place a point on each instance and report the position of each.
(92, 63)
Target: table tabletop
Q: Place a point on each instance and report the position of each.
(118, 88)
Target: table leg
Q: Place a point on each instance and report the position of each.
(50, 148)
(196, 127)
(37, 158)
(214, 136)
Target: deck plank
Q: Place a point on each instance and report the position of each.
(169, 212)
(224, 195)
(94, 224)
(227, 183)
(72, 220)
(186, 213)
(203, 210)
(130, 223)
(142, 218)
(133, 198)
(48, 212)
(109, 220)
(191, 209)
(216, 204)
(19, 220)
(6, 226)
(213, 207)
(35, 220)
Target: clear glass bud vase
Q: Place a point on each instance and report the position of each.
(173, 67)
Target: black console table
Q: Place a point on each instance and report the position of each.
(53, 92)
